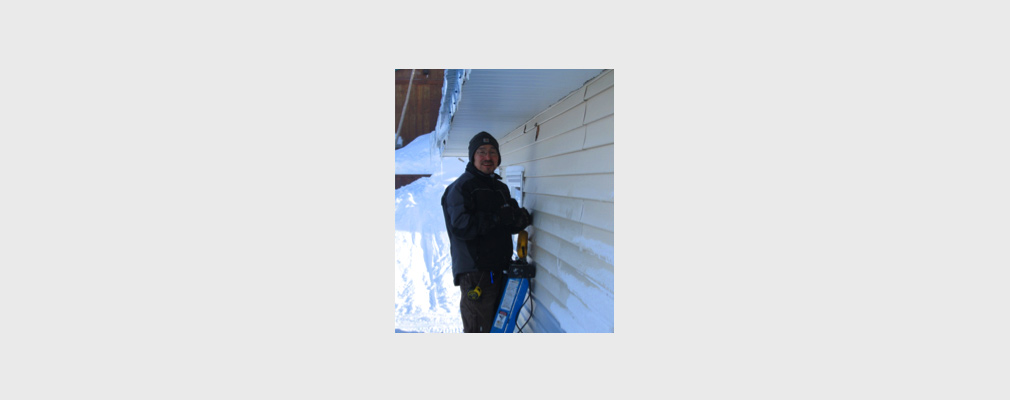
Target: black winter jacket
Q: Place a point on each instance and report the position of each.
(477, 241)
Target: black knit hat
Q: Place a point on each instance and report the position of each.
(481, 139)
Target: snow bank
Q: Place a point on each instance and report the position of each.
(426, 300)
(418, 157)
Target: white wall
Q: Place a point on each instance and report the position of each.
(567, 153)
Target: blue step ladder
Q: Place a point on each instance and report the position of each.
(519, 273)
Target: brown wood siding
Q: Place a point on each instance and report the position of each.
(404, 180)
(425, 99)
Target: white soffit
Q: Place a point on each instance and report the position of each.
(500, 100)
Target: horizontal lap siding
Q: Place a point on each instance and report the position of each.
(600, 132)
(599, 160)
(550, 293)
(594, 270)
(593, 187)
(544, 321)
(567, 156)
(600, 106)
(573, 295)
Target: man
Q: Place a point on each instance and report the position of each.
(481, 218)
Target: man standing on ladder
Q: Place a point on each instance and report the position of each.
(481, 217)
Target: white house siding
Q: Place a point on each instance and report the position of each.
(569, 188)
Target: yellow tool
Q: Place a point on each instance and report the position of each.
(474, 293)
(521, 246)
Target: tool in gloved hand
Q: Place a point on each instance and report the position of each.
(512, 215)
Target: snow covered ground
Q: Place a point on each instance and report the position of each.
(426, 300)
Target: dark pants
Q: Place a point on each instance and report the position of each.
(478, 315)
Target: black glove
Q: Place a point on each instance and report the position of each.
(522, 218)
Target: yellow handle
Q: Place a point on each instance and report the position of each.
(521, 246)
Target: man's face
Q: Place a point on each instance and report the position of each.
(486, 159)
